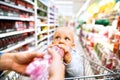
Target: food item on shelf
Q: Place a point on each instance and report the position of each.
(20, 3)
(7, 26)
(109, 64)
(116, 49)
(116, 46)
(44, 28)
(29, 6)
(25, 47)
(115, 63)
(104, 22)
(118, 24)
(41, 13)
(31, 25)
(40, 36)
(39, 4)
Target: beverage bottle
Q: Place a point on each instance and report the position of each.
(39, 68)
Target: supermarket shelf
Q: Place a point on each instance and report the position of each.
(92, 51)
(17, 7)
(118, 33)
(107, 45)
(51, 20)
(42, 25)
(15, 32)
(52, 16)
(101, 41)
(50, 35)
(53, 24)
(40, 17)
(19, 45)
(42, 44)
(52, 12)
(42, 38)
(51, 30)
(42, 49)
(28, 1)
(42, 1)
(41, 32)
(30, 50)
(44, 31)
(16, 18)
(41, 9)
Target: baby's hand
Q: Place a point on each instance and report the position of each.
(57, 49)
(67, 56)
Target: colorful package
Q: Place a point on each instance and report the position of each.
(39, 68)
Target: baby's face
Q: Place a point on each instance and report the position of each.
(64, 36)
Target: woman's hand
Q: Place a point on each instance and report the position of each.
(57, 68)
(17, 61)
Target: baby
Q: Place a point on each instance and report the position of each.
(64, 38)
(63, 44)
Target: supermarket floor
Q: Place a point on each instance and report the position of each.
(81, 51)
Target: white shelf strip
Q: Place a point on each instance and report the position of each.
(43, 38)
(18, 45)
(28, 1)
(53, 24)
(42, 1)
(51, 17)
(51, 30)
(50, 35)
(36, 48)
(43, 48)
(52, 12)
(17, 7)
(15, 32)
(40, 17)
(51, 20)
(41, 9)
(42, 44)
(42, 24)
(16, 18)
(41, 32)
(31, 49)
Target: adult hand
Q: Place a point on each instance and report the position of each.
(17, 61)
(57, 68)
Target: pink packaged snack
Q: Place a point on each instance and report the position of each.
(39, 68)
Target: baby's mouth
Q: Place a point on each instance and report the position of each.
(59, 50)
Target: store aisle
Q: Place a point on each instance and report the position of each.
(87, 68)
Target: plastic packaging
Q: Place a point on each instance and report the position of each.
(39, 68)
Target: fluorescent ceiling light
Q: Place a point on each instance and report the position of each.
(63, 2)
(83, 8)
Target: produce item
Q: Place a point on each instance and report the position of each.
(116, 48)
(104, 22)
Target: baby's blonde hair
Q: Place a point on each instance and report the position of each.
(68, 29)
